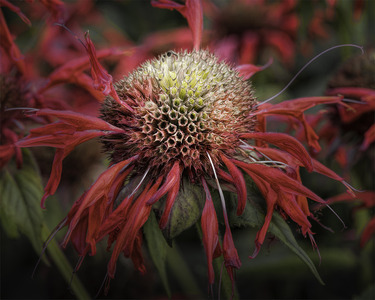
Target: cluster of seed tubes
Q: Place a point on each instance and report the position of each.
(187, 104)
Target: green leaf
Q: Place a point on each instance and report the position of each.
(186, 209)
(253, 216)
(21, 191)
(282, 231)
(157, 247)
(182, 273)
(20, 194)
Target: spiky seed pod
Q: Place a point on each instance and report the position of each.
(186, 104)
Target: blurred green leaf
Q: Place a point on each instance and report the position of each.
(157, 247)
(181, 271)
(21, 191)
(254, 217)
(281, 230)
(368, 294)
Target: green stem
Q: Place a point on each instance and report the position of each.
(66, 270)
(182, 273)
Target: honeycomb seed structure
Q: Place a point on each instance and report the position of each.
(186, 104)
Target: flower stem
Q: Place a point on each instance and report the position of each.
(182, 272)
(64, 267)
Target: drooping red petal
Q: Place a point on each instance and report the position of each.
(6, 153)
(282, 42)
(65, 143)
(285, 142)
(170, 180)
(278, 155)
(322, 169)
(72, 71)
(102, 80)
(248, 70)
(351, 92)
(7, 43)
(192, 11)
(279, 179)
(16, 10)
(169, 204)
(367, 198)
(137, 216)
(56, 8)
(238, 181)
(368, 232)
(295, 108)
(270, 195)
(231, 258)
(136, 256)
(369, 138)
(101, 209)
(288, 204)
(98, 190)
(210, 229)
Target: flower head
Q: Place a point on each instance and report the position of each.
(186, 104)
(192, 119)
(182, 119)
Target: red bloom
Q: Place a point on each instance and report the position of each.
(182, 116)
(244, 29)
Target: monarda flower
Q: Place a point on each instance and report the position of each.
(182, 121)
(192, 123)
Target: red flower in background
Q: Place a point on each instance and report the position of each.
(244, 30)
(349, 131)
(24, 86)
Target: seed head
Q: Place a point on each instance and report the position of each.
(186, 104)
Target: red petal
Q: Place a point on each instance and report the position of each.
(7, 43)
(98, 190)
(15, 9)
(136, 255)
(137, 216)
(353, 92)
(369, 138)
(192, 11)
(210, 229)
(102, 80)
(289, 205)
(6, 153)
(282, 42)
(279, 179)
(368, 232)
(231, 259)
(285, 142)
(238, 181)
(79, 121)
(169, 203)
(248, 70)
(72, 71)
(322, 169)
(171, 179)
(56, 8)
(367, 197)
(295, 109)
(270, 195)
